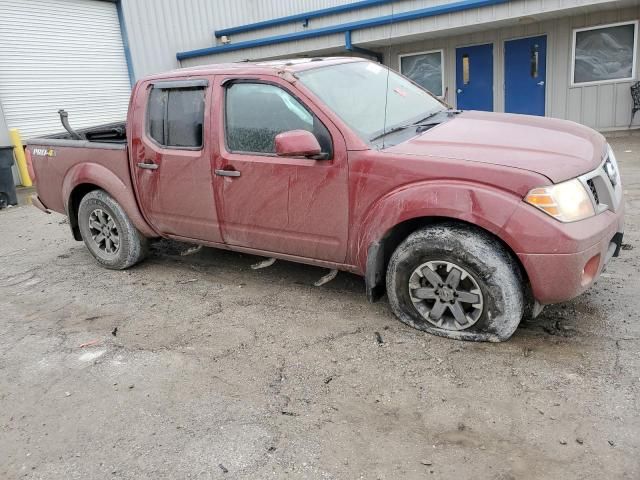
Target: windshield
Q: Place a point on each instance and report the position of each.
(356, 93)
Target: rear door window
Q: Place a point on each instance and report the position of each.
(175, 116)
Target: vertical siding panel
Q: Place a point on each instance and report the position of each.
(574, 105)
(559, 51)
(589, 106)
(498, 70)
(605, 111)
(623, 106)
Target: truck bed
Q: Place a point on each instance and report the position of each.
(108, 133)
(63, 161)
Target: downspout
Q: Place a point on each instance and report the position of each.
(348, 45)
(125, 43)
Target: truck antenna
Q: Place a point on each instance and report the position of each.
(386, 96)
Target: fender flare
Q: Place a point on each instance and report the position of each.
(483, 206)
(102, 177)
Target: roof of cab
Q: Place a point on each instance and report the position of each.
(265, 67)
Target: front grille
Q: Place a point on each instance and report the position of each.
(594, 191)
(604, 185)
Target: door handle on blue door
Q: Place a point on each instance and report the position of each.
(541, 83)
(227, 173)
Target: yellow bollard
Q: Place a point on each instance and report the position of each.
(18, 151)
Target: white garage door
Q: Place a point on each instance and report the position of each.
(61, 54)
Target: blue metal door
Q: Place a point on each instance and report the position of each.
(525, 75)
(474, 77)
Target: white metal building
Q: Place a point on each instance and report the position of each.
(573, 59)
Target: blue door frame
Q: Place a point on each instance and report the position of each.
(474, 77)
(525, 75)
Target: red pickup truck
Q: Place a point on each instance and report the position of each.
(467, 220)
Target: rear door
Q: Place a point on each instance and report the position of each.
(297, 206)
(474, 77)
(172, 160)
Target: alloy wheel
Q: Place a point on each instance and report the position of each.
(446, 295)
(104, 231)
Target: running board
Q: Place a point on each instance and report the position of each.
(326, 278)
(263, 264)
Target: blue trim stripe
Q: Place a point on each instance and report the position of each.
(125, 42)
(304, 17)
(348, 45)
(343, 27)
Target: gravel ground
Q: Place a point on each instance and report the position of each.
(199, 367)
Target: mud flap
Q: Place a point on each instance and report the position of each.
(374, 276)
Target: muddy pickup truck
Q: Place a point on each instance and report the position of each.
(466, 220)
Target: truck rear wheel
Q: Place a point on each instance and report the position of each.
(108, 233)
(457, 282)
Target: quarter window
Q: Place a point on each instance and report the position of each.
(425, 69)
(175, 116)
(257, 112)
(605, 53)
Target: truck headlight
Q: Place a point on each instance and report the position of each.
(567, 201)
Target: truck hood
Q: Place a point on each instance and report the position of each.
(557, 149)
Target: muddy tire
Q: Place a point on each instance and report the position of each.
(108, 233)
(458, 282)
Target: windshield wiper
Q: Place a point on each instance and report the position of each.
(419, 123)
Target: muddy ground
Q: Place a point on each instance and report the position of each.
(199, 367)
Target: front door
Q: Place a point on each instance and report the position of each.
(525, 69)
(172, 162)
(474, 77)
(296, 206)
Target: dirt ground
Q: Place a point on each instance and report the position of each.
(199, 367)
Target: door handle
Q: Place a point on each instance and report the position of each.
(227, 173)
(148, 166)
(459, 90)
(541, 82)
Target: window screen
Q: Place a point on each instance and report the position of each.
(175, 116)
(256, 113)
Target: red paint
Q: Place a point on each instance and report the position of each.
(32, 173)
(297, 143)
(476, 167)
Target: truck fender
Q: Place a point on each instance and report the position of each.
(102, 177)
(415, 205)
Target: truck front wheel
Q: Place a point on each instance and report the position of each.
(457, 282)
(108, 233)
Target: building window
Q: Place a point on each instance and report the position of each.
(256, 112)
(605, 53)
(175, 116)
(424, 68)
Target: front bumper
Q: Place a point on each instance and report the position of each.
(558, 277)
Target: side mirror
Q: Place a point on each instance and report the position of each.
(297, 143)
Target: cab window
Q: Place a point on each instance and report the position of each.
(256, 112)
(175, 116)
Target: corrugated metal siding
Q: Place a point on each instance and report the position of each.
(372, 37)
(606, 106)
(158, 29)
(61, 54)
